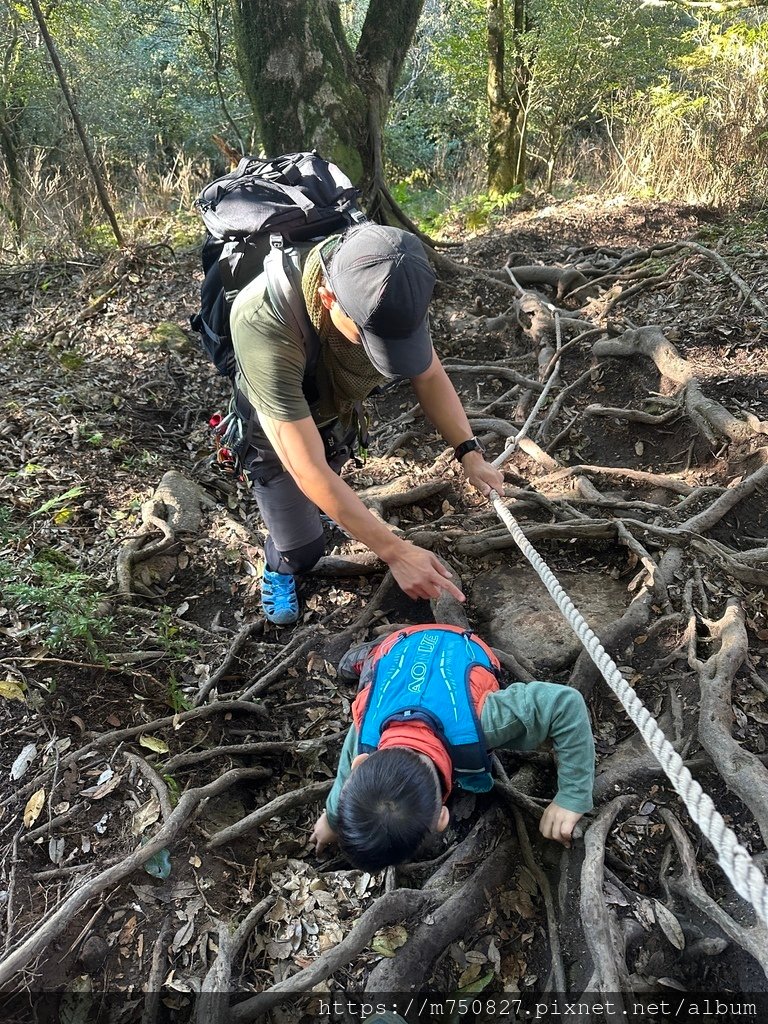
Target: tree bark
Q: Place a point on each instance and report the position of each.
(506, 107)
(310, 90)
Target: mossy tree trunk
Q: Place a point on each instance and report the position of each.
(310, 90)
(507, 100)
(11, 111)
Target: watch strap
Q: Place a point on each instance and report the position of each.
(472, 445)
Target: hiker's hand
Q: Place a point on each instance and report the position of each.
(322, 834)
(481, 474)
(558, 824)
(419, 573)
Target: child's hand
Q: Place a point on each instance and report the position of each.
(558, 824)
(322, 834)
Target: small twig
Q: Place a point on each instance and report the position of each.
(154, 984)
(155, 781)
(60, 819)
(9, 922)
(246, 633)
(286, 801)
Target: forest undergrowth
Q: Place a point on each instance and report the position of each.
(165, 751)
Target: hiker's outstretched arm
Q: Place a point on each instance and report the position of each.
(300, 448)
(438, 398)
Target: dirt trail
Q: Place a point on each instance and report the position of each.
(154, 704)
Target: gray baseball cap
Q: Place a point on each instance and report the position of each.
(383, 282)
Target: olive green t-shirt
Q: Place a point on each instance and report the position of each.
(271, 359)
(271, 362)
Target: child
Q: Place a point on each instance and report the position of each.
(427, 712)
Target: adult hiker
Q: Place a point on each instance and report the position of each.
(367, 294)
(427, 713)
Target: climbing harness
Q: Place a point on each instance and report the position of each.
(735, 860)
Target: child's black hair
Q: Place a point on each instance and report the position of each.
(386, 808)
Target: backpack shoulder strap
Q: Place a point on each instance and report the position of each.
(281, 266)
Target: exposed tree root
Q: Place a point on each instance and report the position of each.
(400, 905)
(212, 1005)
(634, 620)
(406, 971)
(116, 736)
(311, 793)
(742, 771)
(600, 926)
(708, 415)
(688, 884)
(175, 508)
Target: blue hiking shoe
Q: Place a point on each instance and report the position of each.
(278, 598)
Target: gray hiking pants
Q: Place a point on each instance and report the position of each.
(296, 540)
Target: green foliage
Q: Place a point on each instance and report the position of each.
(153, 83)
(57, 605)
(439, 109)
(177, 647)
(475, 212)
(710, 109)
(176, 696)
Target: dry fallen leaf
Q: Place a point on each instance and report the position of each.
(153, 743)
(11, 690)
(34, 807)
(100, 791)
(669, 925)
(145, 815)
(23, 761)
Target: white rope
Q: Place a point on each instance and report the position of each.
(734, 859)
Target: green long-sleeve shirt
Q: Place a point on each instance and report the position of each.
(521, 717)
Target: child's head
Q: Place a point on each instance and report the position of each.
(389, 803)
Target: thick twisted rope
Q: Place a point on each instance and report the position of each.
(733, 858)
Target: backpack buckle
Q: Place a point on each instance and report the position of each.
(277, 242)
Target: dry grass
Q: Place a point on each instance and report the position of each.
(702, 140)
(60, 211)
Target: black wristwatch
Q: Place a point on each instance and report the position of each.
(472, 445)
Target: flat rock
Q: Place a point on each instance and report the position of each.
(515, 612)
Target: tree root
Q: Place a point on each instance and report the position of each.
(399, 905)
(557, 970)
(308, 794)
(259, 749)
(212, 1004)
(708, 415)
(407, 969)
(116, 736)
(689, 885)
(156, 973)
(741, 770)
(385, 497)
(599, 925)
(174, 508)
(634, 620)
